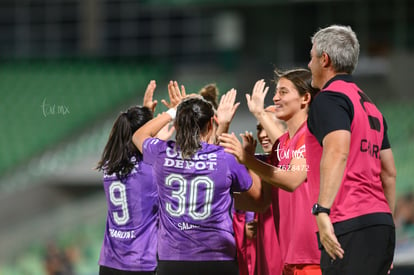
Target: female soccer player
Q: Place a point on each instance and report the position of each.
(290, 194)
(195, 180)
(244, 225)
(130, 240)
(268, 255)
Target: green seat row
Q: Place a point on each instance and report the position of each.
(44, 103)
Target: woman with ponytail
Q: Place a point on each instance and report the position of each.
(130, 240)
(195, 181)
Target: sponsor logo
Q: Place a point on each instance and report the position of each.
(199, 161)
(290, 154)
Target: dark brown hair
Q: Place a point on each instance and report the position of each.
(193, 116)
(301, 78)
(210, 93)
(119, 149)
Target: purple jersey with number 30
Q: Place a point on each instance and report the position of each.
(195, 201)
(130, 241)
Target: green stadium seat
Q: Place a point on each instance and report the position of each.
(45, 102)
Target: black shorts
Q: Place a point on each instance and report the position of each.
(104, 270)
(197, 268)
(368, 251)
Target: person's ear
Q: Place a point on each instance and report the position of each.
(325, 60)
(210, 134)
(306, 99)
(211, 124)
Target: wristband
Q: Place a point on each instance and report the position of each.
(172, 112)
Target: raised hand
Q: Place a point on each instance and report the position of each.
(175, 94)
(233, 146)
(148, 96)
(227, 108)
(249, 143)
(166, 132)
(255, 102)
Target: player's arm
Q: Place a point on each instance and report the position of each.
(268, 123)
(329, 120)
(273, 129)
(258, 202)
(332, 166)
(226, 111)
(255, 102)
(388, 176)
(388, 171)
(152, 127)
(258, 197)
(288, 179)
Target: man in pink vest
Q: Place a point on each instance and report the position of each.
(351, 165)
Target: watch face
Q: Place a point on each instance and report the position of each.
(316, 209)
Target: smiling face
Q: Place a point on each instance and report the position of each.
(287, 100)
(264, 140)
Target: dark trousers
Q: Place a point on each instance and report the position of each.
(104, 270)
(368, 251)
(197, 268)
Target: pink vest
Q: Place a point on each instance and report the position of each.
(298, 243)
(361, 190)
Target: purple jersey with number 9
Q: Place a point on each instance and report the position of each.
(195, 200)
(130, 240)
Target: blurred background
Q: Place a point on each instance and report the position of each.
(68, 67)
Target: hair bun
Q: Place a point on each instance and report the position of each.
(210, 93)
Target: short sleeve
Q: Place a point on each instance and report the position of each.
(385, 141)
(150, 149)
(241, 179)
(330, 111)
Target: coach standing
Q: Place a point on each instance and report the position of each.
(350, 162)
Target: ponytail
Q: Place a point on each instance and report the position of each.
(193, 116)
(119, 152)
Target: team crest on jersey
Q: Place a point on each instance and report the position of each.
(282, 154)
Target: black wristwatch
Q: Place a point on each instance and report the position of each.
(316, 209)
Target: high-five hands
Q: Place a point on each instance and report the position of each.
(227, 107)
(233, 146)
(148, 96)
(175, 94)
(255, 101)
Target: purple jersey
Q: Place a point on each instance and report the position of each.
(130, 241)
(195, 200)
